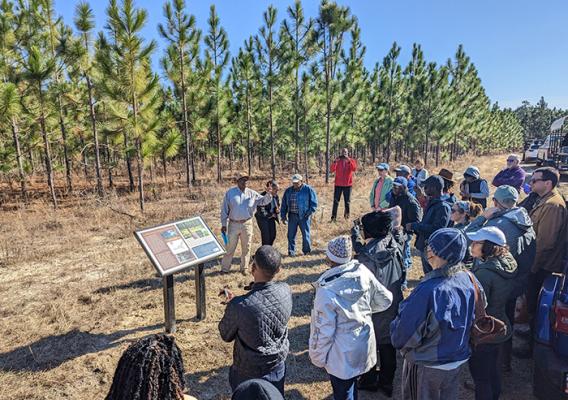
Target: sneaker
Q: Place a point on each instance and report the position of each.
(290, 254)
(333, 220)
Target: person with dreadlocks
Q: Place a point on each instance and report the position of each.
(150, 369)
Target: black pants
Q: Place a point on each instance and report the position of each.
(507, 347)
(346, 190)
(267, 228)
(385, 369)
(485, 371)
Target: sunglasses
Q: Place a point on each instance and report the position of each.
(511, 160)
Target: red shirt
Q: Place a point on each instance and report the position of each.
(343, 167)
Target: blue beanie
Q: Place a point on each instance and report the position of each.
(449, 244)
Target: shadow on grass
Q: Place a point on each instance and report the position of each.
(51, 351)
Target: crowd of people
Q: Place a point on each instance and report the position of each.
(481, 258)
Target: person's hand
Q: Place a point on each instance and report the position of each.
(490, 212)
(285, 222)
(223, 229)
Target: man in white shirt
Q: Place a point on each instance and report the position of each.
(237, 210)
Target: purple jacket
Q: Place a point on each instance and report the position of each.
(514, 177)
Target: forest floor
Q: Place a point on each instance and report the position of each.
(77, 289)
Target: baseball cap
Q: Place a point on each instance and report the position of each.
(506, 195)
(403, 168)
(400, 181)
(383, 166)
(297, 178)
(489, 233)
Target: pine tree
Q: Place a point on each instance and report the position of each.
(184, 37)
(331, 25)
(84, 22)
(298, 35)
(217, 55)
(37, 70)
(270, 61)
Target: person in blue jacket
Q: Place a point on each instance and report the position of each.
(433, 325)
(436, 216)
(298, 204)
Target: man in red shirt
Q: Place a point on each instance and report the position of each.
(343, 168)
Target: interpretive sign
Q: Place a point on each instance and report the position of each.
(175, 246)
(178, 245)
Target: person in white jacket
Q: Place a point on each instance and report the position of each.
(342, 338)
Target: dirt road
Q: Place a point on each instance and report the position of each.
(77, 289)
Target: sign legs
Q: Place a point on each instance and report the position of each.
(200, 292)
(169, 303)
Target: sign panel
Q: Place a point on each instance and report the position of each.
(175, 246)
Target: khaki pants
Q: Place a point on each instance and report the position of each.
(236, 230)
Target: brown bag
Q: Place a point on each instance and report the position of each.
(485, 328)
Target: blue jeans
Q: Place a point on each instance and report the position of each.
(276, 377)
(294, 221)
(406, 258)
(344, 389)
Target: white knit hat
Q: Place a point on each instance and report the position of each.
(340, 249)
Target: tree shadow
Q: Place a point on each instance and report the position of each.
(299, 368)
(209, 384)
(52, 351)
(301, 278)
(302, 303)
(145, 284)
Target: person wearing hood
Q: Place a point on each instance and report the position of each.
(411, 212)
(433, 325)
(495, 269)
(517, 227)
(379, 247)
(342, 337)
(473, 187)
(513, 175)
(436, 216)
(381, 190)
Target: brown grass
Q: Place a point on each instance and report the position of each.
(77, 289)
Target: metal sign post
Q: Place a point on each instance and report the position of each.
(200, 293)
(169, 303)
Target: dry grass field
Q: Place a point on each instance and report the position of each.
(77, 289)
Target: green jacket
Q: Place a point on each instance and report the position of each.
(385, 191)
(497, 275)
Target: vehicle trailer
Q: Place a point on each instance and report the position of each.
(554, 150)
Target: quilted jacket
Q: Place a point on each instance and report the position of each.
(258, 324)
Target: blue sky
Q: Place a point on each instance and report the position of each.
(519, 47)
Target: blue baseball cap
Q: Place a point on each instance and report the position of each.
(383, 166)
(400, 181)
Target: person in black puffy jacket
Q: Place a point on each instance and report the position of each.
(258, 324)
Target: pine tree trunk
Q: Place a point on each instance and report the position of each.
(189, 163)
(48, 167)
(128, 163)
(15, 135)
(100, 190)
(272, 154)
